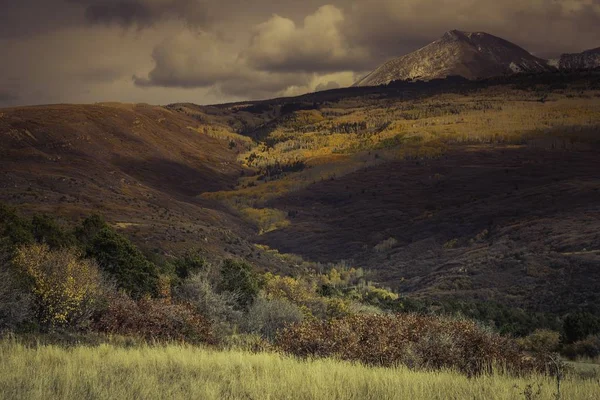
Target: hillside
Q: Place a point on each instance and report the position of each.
(472, 55)
(140, 166)
(478, 190)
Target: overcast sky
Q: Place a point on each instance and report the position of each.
(209, 51)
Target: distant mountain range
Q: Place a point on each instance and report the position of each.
(472, 55)
(585, 60)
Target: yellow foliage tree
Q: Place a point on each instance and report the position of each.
(63, 285)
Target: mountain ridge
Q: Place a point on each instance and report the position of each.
(472, 55)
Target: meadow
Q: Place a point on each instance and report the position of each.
(185, 372)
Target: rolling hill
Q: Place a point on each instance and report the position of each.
(481, 190)
(140, 166)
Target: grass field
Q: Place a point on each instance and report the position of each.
(179, 372)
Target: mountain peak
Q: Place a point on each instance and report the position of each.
(456, 34)
(586, 60)
(471, 55)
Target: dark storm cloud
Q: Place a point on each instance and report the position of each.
(390, 27)
(21, 18)
(85, 49)
(143, 13)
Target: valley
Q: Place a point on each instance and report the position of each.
(481, 191)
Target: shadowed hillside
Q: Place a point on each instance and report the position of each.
(480, 190)
(141, 166)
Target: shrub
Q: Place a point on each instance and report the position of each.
(153, 320)
(417, 341)
(46, 230)
(188, 264)
(239, 278)
(14, 230)
(219, 308)
(588, 347)
(580, 325)
(125, 262)
(89, 228)
(295, 290)
(386, 245)
(15, 301)
(541, 341)
(267, 317)
(63, 286)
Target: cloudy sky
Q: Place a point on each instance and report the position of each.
(209, 51)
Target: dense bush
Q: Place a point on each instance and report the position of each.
(219, 308)
(267, 317)
(588, 347)
(239, 278)
(505, 319)
(152, 319)
(14, 230)
(89, 228)
(125, 262)
(188, 264)
(578, 326)
(417, 341)
(15, 302)
(64, 287)
(46, 230)
(541, 341)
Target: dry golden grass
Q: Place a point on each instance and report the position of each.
(183, 372)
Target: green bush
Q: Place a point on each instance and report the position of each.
(239, 278)
(89, 228)
(14, 230)
(125, 262)
(578, 326)
(188, 264)
(46, 230)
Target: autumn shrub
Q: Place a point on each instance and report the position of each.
(417, 341)
(153, 320)
(63, 286)
(303, 293)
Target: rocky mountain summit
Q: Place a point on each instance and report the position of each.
(472, 55)
(585, 60)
